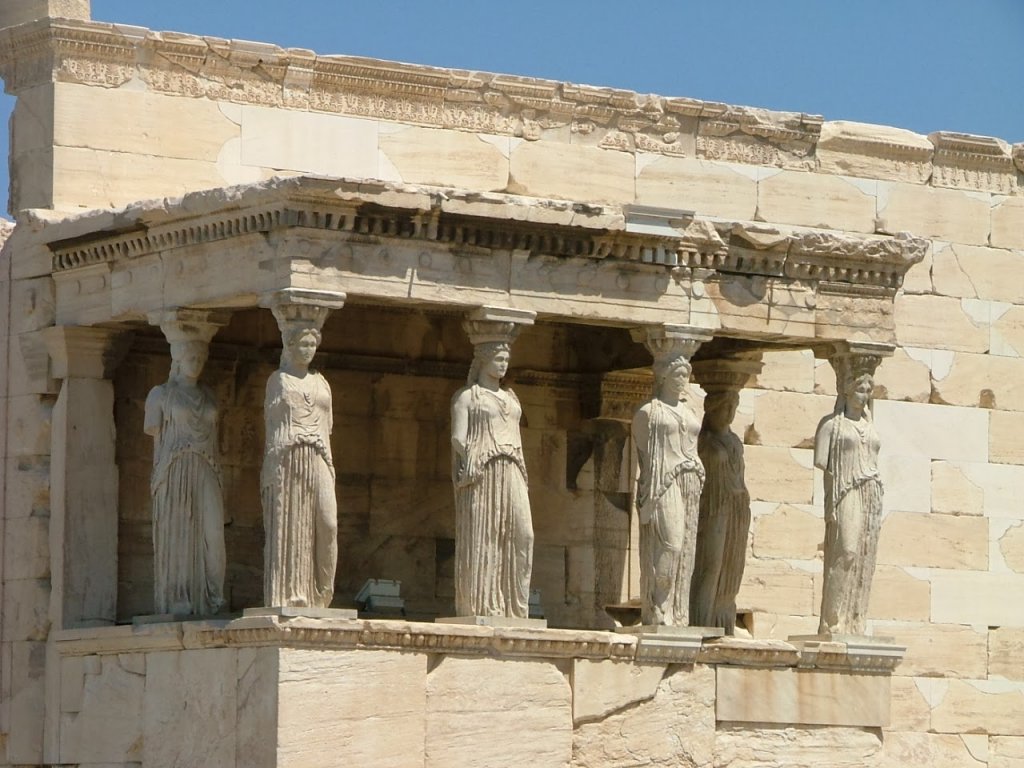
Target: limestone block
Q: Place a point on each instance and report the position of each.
(787, 419)
(934, 541)
(28, 425)
(972, 271)
(33, 304)
(308, 142)
(873, 152)
(26, 673)
(910, 709)
(901, 377)
(980, 706)
(788, 532)
(108, 724)
(774, 586)
(444, 158)
(797, 697)
(137, 122)
(257, 692)
(32, 174)
(945, 214)
(1005, 751)
(600, 688)
(709, 188)
(919, 277)
(938, 322)
(938, 650)
(1008, 223)
(190, 707)
(90, 178)
(1006, 653)
(1007, 330)
(790, 371)
(1011, 546)
(895, 594)
(675, 728)
(779, 474)
(934, 750)
(919, 429)
(326, 701)
(747, 746)
(28, 486)
(816, 200)
(999, 485)
(29, 10)
(26, 548)
(954, 492)
(970, 597)
(479, 708)
(26, 604)
(781, 626)
(907, 482)
(571, 172)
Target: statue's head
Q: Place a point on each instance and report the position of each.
(720, 408)
(300, 343)
(671, 374)
(188, 358)
(491, 357)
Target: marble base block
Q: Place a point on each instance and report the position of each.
(296, 611)
(667, 631)
(494, 621)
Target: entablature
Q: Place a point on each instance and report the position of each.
(404, 244)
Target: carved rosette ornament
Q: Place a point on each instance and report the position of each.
(493, 523)
(724, 502)
(670, 478)
(846, 448)
(186, 487)
(300, 510)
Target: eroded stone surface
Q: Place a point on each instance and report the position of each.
(749, 746)
(675, 728)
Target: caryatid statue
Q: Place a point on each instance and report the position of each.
(846, 447)
(300, 509)
(186, 490)
(724, 502)
(493, 524)
(670, 478)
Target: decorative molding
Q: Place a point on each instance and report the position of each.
(468, 640)
(973, 162)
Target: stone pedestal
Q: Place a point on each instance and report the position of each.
(494, 621)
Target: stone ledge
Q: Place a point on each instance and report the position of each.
(463, 639)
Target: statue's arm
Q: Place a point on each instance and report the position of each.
(822, 440)
(460, 422)
(154, 411)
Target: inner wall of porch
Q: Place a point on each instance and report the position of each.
(392, 373)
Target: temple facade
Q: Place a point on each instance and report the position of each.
(174, 193)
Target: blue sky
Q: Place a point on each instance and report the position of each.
(926, 65)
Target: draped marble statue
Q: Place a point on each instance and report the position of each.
(300, 510)
(724, 502)
(493, 524)
(668, 494)
(846, 447)
(724, 518)
(188, 508)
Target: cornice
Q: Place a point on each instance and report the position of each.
(480, 224)
(975, 162)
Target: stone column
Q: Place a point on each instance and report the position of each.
(846, 448)
(186, 491)
(725, 504)
(670, 476)
(493, 522)
(297, 484)
(83, 476)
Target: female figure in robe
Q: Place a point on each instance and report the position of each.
(668, 495)
(724, 517)
(846, 448)
(188, 509)
(493, 525)
(300, 510)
